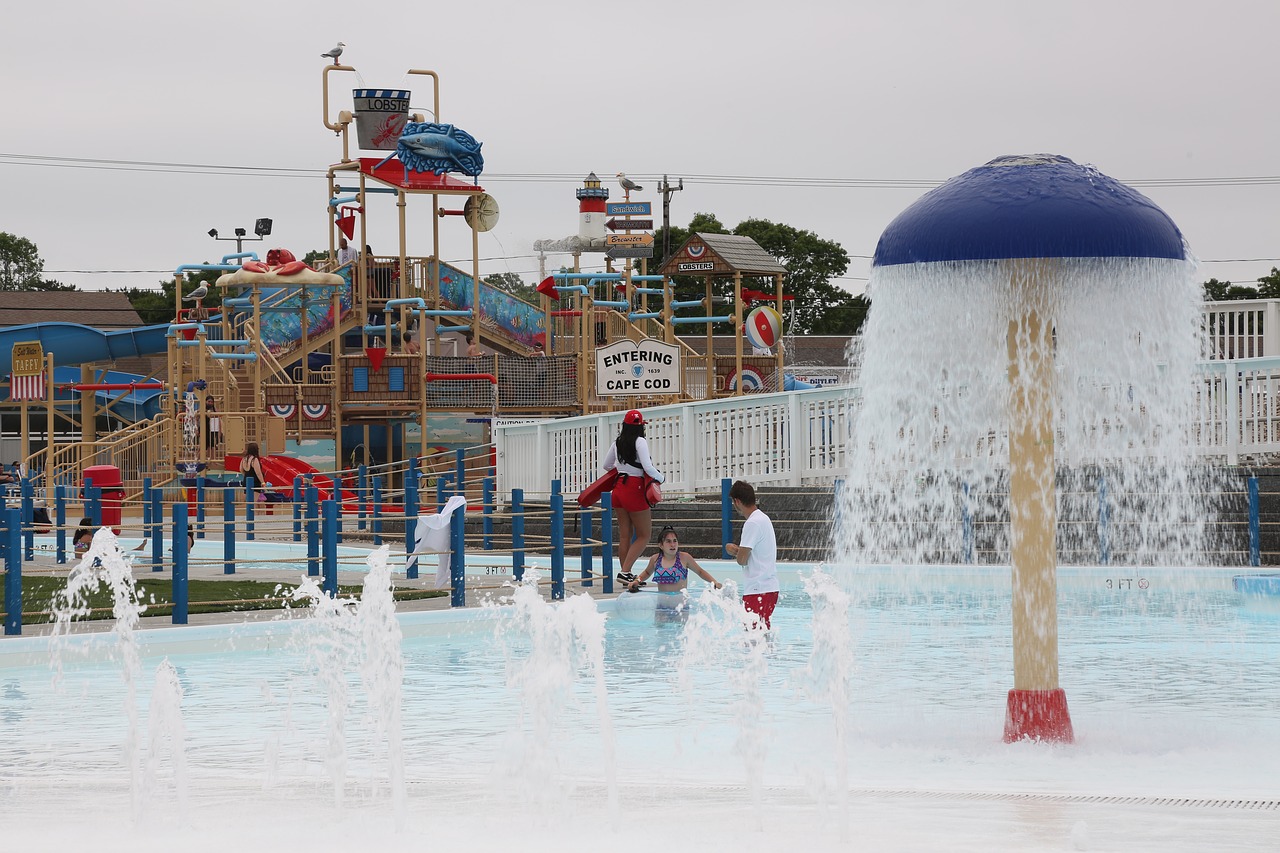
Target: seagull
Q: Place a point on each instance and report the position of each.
(628, 184)
(335, 53)
(196, 295)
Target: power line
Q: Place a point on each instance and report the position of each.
(815, 182)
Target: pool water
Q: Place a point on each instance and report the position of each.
(1172, 686)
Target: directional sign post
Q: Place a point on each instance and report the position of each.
(628, 239)
(617, 252)
(629, 225)
(628, 208)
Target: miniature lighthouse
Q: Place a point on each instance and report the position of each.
(591, 199)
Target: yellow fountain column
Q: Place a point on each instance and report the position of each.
(1036, 705)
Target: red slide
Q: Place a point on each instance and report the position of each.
(280, 471)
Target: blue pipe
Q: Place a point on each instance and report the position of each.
(644, 315)
(678, 303)
(237, 255)
(188, 267)
(442, 312)
(216, 343)
(235, 356)
(181, 597)
(571, 288)
(656, 291)
(343, 199)
(612, 303)
(679, 321)
(415, 301)
(177, 327)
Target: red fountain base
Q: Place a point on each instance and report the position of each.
(1038, 715)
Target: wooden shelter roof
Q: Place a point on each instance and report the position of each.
(99, 309)
(721, 254)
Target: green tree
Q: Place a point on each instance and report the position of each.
(157, 306)
(820, 307)
(1269, 285)
(22, 268)
(511, 283)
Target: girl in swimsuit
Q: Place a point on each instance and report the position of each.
(670, 567)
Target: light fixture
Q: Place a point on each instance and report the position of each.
(262, 227)
(240, 232)
(213, 232)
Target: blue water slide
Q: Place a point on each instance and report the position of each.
(73, 344)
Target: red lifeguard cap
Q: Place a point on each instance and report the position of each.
(633, 417)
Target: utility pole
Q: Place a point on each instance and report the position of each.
(666, 189)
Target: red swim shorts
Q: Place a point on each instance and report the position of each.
(628, 493)
(761, 604)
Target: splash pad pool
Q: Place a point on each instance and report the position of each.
(541, 726)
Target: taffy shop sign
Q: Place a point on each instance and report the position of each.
(630, 368)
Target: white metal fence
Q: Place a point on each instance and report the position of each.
(800, 437)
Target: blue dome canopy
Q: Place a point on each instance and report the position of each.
(1034, 206)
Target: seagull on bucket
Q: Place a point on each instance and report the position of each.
(334, 53)
(628, 184)
(196, 295)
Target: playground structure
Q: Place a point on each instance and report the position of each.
(316, 363)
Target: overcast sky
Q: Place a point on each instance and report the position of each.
(844, 107)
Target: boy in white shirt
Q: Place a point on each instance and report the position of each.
(757, 553)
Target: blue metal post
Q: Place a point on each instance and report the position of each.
(517, 534)
(13, 571)
(966, 521)
(200, 496)
(557, 547)
(486, 498)
(248, 508)
(606, 547)
(95, 504)
(1104, 524)
(726, 516)
(1255, 526)
(330, 522)
(157, 537)
(228, 531)
(376, 523)
(28, 520)
(587, 551)
(460, 466)
(441, 480)
(297, 508)
(555, 487)
(362, 495)
(411, 513)
(86, 496)
(146, 508)
(457, 561)
(60, 519)
(180, 585)
(313, 532)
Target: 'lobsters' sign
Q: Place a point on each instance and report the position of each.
(627, 368)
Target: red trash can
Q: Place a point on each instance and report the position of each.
(107, 479)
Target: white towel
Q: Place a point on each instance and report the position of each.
(432, 534)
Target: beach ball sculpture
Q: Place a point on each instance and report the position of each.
(1018, 218)
(763, 327)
